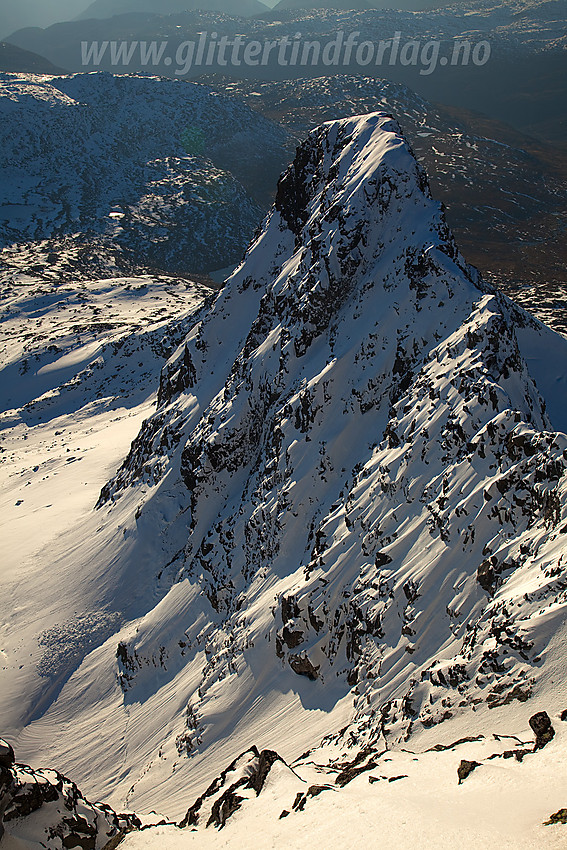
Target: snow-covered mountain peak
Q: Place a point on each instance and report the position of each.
(353, 200)
(351, 375)
(347, 510)
(348, 152)
(353, 224)
(357, 177)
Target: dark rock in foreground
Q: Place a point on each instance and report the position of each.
(466, 768)
(67, 818)
(542, 728)
(557, 817)
(224, 796)
(7, 757)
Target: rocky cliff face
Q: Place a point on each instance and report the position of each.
(356, 477)
(369, 457)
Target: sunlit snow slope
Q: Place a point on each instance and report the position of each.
(80, 361)
(348, 511)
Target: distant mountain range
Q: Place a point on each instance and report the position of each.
(324, 4)
(522, 81)
(109, 8)
(358, 5)
(16, 60)
(174, 176)
(25, 13)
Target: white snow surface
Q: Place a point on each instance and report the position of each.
(503, 804)
(346, 518)
(80, 360)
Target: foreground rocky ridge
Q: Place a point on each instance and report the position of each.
(47, 810)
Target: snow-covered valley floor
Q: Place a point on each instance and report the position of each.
(79, 369)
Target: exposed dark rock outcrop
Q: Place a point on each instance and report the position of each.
(439, 748)
(7, 756)
(465, 768)
(558, 817)
(542, 729)
(301, 665)
(6, 789)
(366, 759)
(70, 820)
(301, 798)
(230, 790)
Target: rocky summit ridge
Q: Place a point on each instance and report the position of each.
(348, 511)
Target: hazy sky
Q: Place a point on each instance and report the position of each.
(15, 14)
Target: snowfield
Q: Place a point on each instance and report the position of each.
(503, 804)
(80, 361)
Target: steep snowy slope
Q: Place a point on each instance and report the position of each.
(168, 171)
(347, 512)
(392, 800)
(483, 790)
(79, 366)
